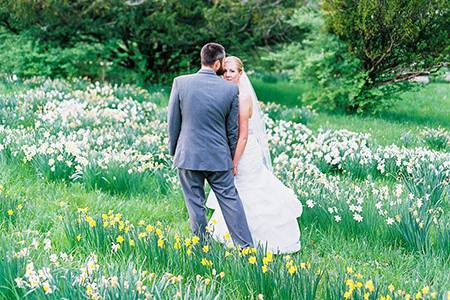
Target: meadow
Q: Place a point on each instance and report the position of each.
(90, 206)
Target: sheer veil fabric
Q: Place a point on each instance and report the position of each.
(259, 126)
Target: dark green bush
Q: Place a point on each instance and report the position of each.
(154, 39)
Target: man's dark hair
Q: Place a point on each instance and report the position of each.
(211, 52)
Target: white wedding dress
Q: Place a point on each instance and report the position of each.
(271, 208)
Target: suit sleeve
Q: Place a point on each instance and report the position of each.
(174, 118)
(232, 122)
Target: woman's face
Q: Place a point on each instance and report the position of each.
(231, 71)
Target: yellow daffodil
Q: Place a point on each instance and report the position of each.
(252, 260)
(205, 248)
(160, 243)
(195, 240)
(347, 294)
(292, 269)
(369, 286)
(10, 212)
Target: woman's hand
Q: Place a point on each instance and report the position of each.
(235, 169)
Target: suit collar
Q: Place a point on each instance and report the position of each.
(207, 71)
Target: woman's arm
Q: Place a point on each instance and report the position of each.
(245, 108)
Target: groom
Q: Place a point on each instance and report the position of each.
(203, 132)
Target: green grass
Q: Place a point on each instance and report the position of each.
(330, 248)
(429, 106)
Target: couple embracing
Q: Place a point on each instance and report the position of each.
(217, 134)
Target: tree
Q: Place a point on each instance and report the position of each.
(155, 38)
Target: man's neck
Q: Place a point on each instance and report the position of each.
(207, 68)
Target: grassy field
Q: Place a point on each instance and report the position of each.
(427, 107)
(39, 203)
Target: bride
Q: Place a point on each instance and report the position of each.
(271, 208)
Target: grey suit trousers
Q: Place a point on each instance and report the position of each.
(222, 184)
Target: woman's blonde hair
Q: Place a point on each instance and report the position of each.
(237, 60)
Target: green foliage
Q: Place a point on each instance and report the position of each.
(358, 55)
(153, 40)
(395, 40)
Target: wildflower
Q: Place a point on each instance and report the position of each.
(19, 207)
(120, 239)
(10, 212)
(292, 269)
(252, 260)
(214, 221)
(347, 294)
(425, 290)
(19, 282)
(78, 237)
(349, 270)
(222, 274)
(227, 236)
(227, 254)
(391, 288)
(150, 228)
(160, 243)
(264, 268)
(206, 262)
(369, 286)
(46, 287)
(205, 248)
(195, 240)
(115, 247)
(47, 244)
(132, 243)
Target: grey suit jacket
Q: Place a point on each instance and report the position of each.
(203, 122)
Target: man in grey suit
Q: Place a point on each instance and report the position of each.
(203, 132)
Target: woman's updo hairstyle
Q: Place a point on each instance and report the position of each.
(237, 60)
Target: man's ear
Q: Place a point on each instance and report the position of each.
(216, 65)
